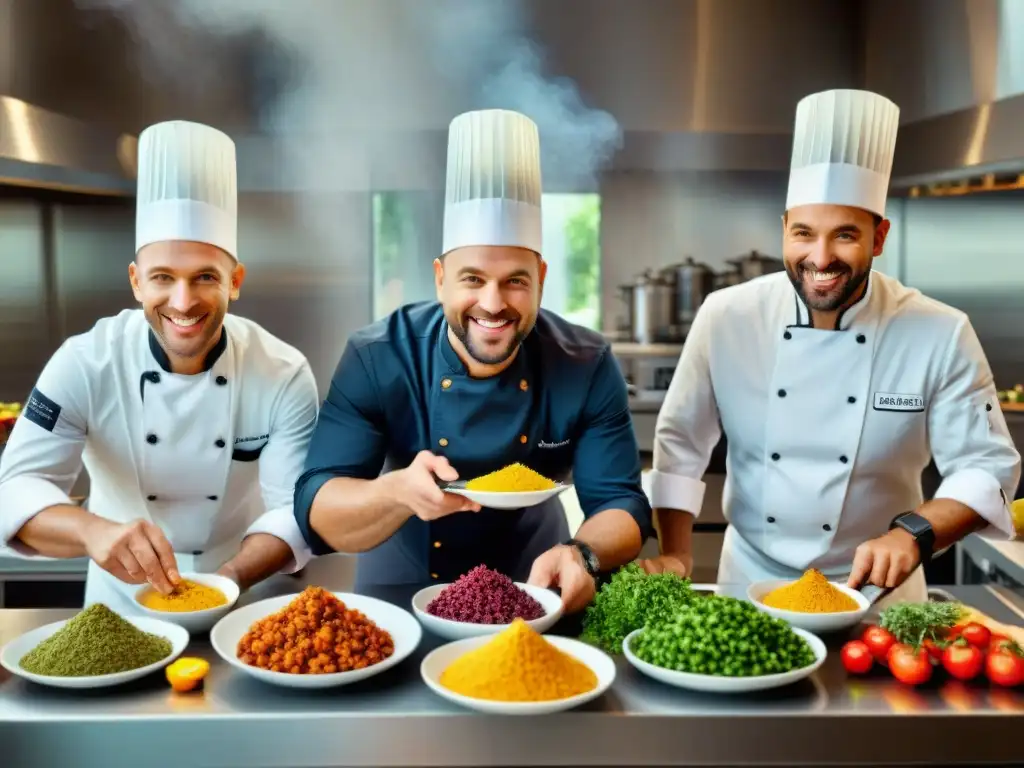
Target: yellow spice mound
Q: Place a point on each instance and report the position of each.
(514, 477)
(518, 665)
(811, 593)
(187, 596)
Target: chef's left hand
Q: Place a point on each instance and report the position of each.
(562, 567)
(885, 561)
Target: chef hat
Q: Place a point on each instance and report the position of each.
(493, 189)
(187, 188)
(843, 145)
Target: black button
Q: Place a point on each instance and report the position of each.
(826, 527)
(151, 498)
(220, 443)
(152, 439)
(787, 335)
(782, 393)
(212, 498)
(197, 552)
(154, 377)
(221, 381)
(988, 406)
(843, 459)
(851, 399)
(775, 457)
(771, 519)
(861, 338)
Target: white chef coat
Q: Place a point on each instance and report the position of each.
(829, 430)
(209, 458)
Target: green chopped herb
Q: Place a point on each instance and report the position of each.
(913, 623)
(631, 599)
(95, 642)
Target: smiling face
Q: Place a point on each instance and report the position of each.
(828, 251)
(491, 296)
(185, 289)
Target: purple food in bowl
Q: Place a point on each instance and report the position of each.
(484, 596)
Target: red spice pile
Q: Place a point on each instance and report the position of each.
(483, 596)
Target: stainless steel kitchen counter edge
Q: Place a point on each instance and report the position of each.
(394, 720)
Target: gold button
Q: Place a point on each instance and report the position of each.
(443, 442)
(433, 575)
(445, 383)
(437, 545)
(523, 385)
(522, 439)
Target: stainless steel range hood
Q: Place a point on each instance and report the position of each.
(45, 150)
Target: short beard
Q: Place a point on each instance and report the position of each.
(828, 302)
(461, 332)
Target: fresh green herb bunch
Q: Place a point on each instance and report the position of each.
(631, 599)
(913, 623)
(723, 636)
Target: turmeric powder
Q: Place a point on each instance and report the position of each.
(514, 477)
(811, 593)
(518, 664)
(187, 596)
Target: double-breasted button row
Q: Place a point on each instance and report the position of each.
(151, 497)
(153, 440)
(825, 527)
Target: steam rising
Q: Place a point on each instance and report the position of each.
(343, 86)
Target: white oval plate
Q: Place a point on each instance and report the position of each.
(17, 648)
(506, 500)
(195, 621)
(437, 661)
(721, 684)
(404, 629)
(460, 630)
(812, 622)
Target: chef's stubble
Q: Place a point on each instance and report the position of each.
(461, 331)
(833, 301)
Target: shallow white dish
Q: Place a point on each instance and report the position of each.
(720, 684)
(17, 648)
(506, 500)
(438, 660)
(812, 622)
(459, 630)
(405, 631)
(195, 621)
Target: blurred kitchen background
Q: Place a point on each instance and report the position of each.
(666, 127)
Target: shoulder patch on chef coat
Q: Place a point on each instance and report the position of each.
(888, 401)
(41, 410)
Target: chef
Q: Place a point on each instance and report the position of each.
(191, 423)
(834, 385)
(466, 386)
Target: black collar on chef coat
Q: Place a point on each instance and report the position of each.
(153, 377)
(845, 317)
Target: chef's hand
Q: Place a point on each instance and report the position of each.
(680, 564)
(562, 567)
(135, 552)
(886, 561)
(416, 488)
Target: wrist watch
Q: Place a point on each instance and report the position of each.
(920, 529)
(590, 561)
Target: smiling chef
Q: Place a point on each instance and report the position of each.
(461, 387)
(192, 423)
(834, 385)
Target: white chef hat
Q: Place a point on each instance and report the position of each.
(493, 187)
(843, 145)
(187, 187)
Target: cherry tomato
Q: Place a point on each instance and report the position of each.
(909, 666)
(934, 650)
(976, 634)
(963, 660)
(857, 658)
(1005, 667)
(997, 642)
(878, 641)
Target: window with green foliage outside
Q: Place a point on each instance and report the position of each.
(407, 232)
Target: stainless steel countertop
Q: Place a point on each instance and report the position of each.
(394, 720)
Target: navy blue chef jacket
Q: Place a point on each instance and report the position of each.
(560, 408)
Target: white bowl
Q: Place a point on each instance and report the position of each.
(460, 630)
(506, 500)
(17, 648)
(195, 621)
(437, 661)
(812, 622)
(722, 684)
(405, 631)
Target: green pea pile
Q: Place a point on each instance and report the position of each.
(722, 636)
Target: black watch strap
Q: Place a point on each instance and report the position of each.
(920, 529)
(590, 561)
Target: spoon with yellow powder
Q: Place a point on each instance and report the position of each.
(512, 487)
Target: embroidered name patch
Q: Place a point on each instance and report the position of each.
(885, 401)
(41, 410)
(543, 444)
